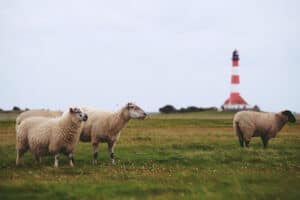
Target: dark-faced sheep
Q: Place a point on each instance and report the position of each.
(248, 124)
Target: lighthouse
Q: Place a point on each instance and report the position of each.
(235, 101)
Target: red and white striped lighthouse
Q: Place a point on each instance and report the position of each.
(235, 101)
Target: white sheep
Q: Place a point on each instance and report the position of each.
(36, 113)
(106, 127)
(248, 124)
(50, 136)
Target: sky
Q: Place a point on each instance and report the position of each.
(103, 54)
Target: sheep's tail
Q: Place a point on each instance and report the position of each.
(239, 133)
(237, 129)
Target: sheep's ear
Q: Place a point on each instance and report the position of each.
(71, 110)
(291, 117)
(130, 105)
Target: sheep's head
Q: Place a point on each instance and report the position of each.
(135, 112)
(291, 117)
(78, 115)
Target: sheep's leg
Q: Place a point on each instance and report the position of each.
(56, 157)
(95, 153)
(20, 153)
(241, 140)
(18, 161)
(247, 137)
(247, 143)
(265, 140)
(71, 159)
(111, 152)
(38, 158)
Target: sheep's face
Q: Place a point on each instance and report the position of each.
(136, 112)
(78, 115)
(291, 117)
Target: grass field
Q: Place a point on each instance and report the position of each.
(178, 156)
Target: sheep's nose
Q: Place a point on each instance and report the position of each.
(85, 117)
(145, 115)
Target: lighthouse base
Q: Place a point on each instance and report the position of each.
(235, 107)
(235, 102)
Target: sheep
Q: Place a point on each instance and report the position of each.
(249, 124)
(33, 113)
(106, 127)
(50, 136)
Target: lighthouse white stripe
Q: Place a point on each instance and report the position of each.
(235, 71)
(234, 88)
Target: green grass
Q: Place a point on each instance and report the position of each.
(177, 156)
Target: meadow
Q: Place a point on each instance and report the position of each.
(175, 156)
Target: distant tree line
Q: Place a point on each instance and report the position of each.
(171, 109)
(15, 108)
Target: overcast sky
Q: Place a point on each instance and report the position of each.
(105, 53)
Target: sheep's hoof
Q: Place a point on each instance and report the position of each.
(94, 162)
(19, 163)
(113, 162)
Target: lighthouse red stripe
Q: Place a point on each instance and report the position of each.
(235, 63)
(234, 95)
(235, 79)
